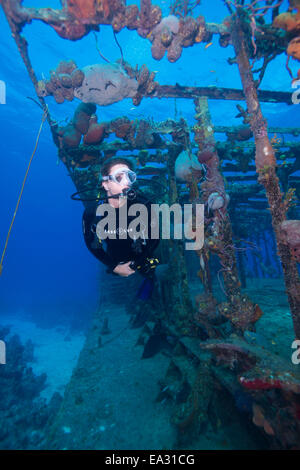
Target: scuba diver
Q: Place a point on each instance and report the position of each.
(122, 256)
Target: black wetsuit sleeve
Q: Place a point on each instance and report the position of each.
(92, 242)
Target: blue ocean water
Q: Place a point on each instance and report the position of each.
(48, 275)
(46, 261)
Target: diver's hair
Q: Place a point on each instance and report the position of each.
(110, 162)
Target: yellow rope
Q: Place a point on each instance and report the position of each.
(22, 188)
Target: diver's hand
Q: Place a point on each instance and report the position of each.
(124, 270)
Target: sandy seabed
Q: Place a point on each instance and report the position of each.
(55, 351)
(130, 385)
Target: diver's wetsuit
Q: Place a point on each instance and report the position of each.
(111, 251)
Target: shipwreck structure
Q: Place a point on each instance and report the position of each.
(192, 164)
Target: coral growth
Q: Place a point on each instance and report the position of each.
(71, 30)
(86, 160)
(146, 84)
(93, 12)
(265, 380)
(293, 49)
(217, 201)
(265, 155)
(71, 137)
(102, 84)
(260, 420)
(62, 82)
(162, 36)
(121, 127)
(187, 167)
(240, 134)
(95, 133)
(242, 313)
(205, 154)
(273, 384)
(139, 133)
(82, 116)
(131, 16)
(236, 357)
(24, 415)
(71, 134)
(288, 21)
(207, 306)
(149, 16)
(290, 235)
(206, 318)
(86, 10)
(145, 81)
(143, 134)
(105, 84)
(172, 34)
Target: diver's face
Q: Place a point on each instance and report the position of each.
(111, 187)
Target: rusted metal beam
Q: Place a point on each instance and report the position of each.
(218, 93)
(295, 131)
(265, 161)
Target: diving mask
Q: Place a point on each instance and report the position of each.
(121, 176)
